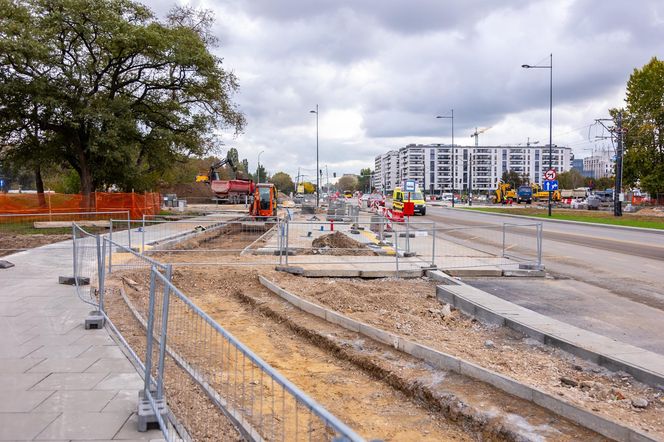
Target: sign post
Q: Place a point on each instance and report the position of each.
(550, 177)
(409, 209)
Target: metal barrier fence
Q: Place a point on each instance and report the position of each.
(23, 224)
(188, 348)
(264, 404)
(497, 245)
(523, 243)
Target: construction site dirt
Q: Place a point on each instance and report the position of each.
(404, 394)
(377, 390)
(12, 243)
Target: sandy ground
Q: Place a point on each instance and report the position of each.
(368, 405)
(378, 391)
(409, 308)
(12, 243)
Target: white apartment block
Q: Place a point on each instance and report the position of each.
(600, 164)
(476, 167)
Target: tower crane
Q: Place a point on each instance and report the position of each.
(477, 133)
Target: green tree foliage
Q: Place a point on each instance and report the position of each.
(600, 183)
(261, 173)
(283, 182)
(644, 119)
(347, 182)
(107, 88)
(512, 178)
(571, 179)
(364, 181)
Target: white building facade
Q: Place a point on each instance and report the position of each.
(600, 164)
(479, 168)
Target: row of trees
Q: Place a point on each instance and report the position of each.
(106, 90)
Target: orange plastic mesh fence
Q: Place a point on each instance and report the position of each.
(138, 204)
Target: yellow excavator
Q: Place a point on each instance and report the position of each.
(541, 195)
(504, 194)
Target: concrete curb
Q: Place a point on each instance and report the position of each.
(504, 313)
(565, 221)
(587, 419)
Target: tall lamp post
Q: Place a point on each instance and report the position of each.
(550, 68)
(451, 117)
(317, 170)
(258, 169)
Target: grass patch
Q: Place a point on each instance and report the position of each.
(28, 229)
(597, 217)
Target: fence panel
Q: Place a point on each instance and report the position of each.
(86, 265)
(523, 243)
(259, 399)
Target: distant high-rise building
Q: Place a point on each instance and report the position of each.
(476, 167)
(600, 164)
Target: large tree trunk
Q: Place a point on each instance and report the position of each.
(39, 182)
(87, 185)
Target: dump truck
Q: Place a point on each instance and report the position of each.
(228, 191)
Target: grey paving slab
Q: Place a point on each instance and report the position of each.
(23, 426)
(103, 351)
(63, 365)
(72, 425)
(83, 401)
(20, 381)
(111, 365)
(124, 400)
(70, 381)
(18, 365)
(18, 401)
(94, 339)
(129, 431)
(120, 381)
(60, 351)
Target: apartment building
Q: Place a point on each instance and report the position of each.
(435, 166)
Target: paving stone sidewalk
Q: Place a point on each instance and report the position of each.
(59, 381)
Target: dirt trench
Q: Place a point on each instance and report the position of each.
(377, 390)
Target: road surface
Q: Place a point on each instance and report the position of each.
(605, 279)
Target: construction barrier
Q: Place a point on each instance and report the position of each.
(138, 204)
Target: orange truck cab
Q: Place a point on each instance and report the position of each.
(265, 200)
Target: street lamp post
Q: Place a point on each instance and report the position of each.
(451, 117)
(258, 169)
(317, 170)
(550, 68)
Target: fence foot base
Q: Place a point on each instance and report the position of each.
(147, 418)
(94, 321)
(71, 280)
(531, 267)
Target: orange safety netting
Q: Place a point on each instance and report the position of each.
(138, 204)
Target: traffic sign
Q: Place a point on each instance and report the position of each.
(550, 175)
(550, 185)
(409, 186)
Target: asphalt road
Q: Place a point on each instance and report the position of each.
(605, 279)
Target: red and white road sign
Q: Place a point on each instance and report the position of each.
(550, 175)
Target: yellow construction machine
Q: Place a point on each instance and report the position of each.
(504, 194)
(541, 195)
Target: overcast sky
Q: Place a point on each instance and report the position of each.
(381, 70)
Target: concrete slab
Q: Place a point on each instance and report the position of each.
(20, 381)
(24, 426)
(63, 365)
(81, 401)
(69, 381)
(21, 401)
(78, 425)
(120, 381)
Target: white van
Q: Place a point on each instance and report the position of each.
(447, 196)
